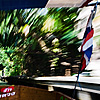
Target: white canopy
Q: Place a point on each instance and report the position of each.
(67, 3)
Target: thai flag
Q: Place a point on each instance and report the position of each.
(87, 44)
(86, 48)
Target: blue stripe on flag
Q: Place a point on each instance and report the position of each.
(87, 31)
(88, 52)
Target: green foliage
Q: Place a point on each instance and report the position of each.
(14, 40)
(63, 28)
(21, 33)
(4, 58)
(60, 22)
(11, 61)
(10, 39)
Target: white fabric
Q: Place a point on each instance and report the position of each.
(86, 58)
(88, 44)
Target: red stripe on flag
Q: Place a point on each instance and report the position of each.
(83, 63)
(89, 35)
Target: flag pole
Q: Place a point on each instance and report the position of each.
(73, 95)
(80, 69)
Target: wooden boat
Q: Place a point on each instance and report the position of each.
(19, 92)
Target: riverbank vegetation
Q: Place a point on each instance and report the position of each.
(38, 42)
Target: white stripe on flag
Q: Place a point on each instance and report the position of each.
(88, 44)
(86, 58)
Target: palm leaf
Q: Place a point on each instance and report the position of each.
(8, 19)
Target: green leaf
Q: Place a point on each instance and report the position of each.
(11, 27)
(8, 19)
(2, 26)
(16, 21)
